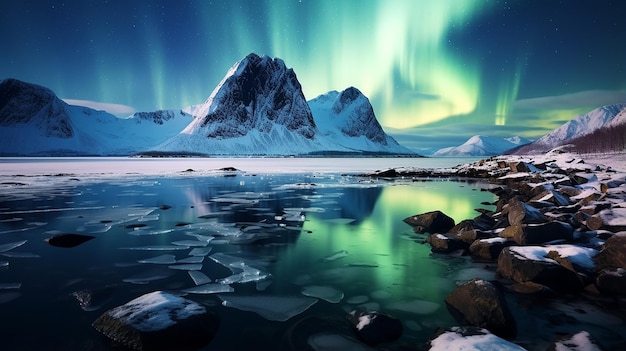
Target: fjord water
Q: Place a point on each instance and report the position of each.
(338, 239)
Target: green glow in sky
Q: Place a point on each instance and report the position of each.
(393, 51)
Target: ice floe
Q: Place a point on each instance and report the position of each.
(209, 288)
(12, 245)
(156, 248)
(335, 256)
(149, 276)
(191, 259)
(163, 259)
(200, 251)
(186, 267)
(358, 299)
(326, 342)
(198, 277)
(414, 306)
(274, 308)
(191, 243)
(6, 286)
(327, 293)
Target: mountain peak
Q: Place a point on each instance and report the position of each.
(480, 145)
(258, 92)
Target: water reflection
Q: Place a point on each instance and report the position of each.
(298, 232)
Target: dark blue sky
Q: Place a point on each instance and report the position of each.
(436, 71)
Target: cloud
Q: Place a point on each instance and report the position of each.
(115, 109)
(583, 99)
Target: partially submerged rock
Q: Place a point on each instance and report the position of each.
(479, 303)
(68, 240)
(159, 321)
(581, 341)
(374, 328)
(430, 222)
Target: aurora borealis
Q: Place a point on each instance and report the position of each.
(436, 71)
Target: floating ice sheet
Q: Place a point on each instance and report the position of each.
(6, 286)
(327, 293)
(274, 308)
(358, 299)
(15, 254)
(148, 276)
(156, 248)
(11, 246)
(335, 256)
(191, 243)
(198, 277)
(210, 288)
(187, 267)
(4, 264)
(414, 306)
(320, 342)
(163, 259)
(192, 259)
(200, 251)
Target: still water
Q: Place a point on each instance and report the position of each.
(336, 240)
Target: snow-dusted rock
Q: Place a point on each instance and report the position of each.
(479, 303)
(531, 263)
(470, 339)
(159, 321)
(613, 253)
(489, 248)
(581, 341)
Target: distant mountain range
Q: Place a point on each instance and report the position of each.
(480, 145)
(609, 119)
(257, 109)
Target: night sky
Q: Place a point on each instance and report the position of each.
(436, 71)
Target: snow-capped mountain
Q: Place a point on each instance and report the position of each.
(34, 121)
(347, 118)
(609, 115)
(259, 109)
(480, 145)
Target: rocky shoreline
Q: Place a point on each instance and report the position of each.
(558, 232)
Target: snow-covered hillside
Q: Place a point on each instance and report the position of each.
(35, 122)
(259, 109)
(347, 119)
(609, 115)
(480, 145)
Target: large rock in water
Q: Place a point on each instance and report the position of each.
(521, 213)
(430, 222)
(159, 321)
(479, 303)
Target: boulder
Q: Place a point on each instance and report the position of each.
(532, 234)
(159, 321)
(581, 341)
(523, 264)
(517, 167)
(521, 213)
(470, 338)
(612, 281)
(479, 303)
(613, 253)
(374, 328)
(489, 249)
(613, 219)
(445, 243)
(430, 222)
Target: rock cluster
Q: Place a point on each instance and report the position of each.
(558, 226)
